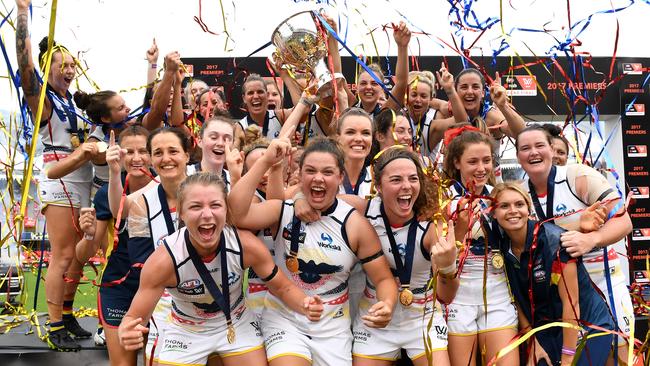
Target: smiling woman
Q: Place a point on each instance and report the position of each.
(190, 262)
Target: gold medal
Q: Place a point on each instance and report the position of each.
(74, 141)
(292, 264)
(231, 334)
(406, 297)
(497, 260)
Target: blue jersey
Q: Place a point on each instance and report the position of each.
(548, 259)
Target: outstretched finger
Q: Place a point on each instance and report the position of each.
(111, 140)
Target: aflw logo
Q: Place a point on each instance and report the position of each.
(527, 82)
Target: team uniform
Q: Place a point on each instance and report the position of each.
(198, 324)
(363, 186)
(375, 111)
(565, 202)
(145, 234)
(271, 127)
(548, 259)
(312, 127)
(119, 283)
(56, 133)
(409, 323)
(196, 168)
(470, 313)
(256, 292)
(324, 263)
(422, 129)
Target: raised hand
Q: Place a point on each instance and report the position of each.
(234, 160)
(114, 155)
(445, 79)
(313, 306)
(277, 150)
(152, 53)
(444, 252)
(402, 35)
(173, 61)
(498, 92)
(132, 334)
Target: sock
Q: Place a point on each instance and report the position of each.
(56, 326)
(67, 309)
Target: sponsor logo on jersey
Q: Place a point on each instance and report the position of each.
(326, 242)
(637, 151)
(635, 110)
(560, 208)
(286, 233)
(632, 68)
(641, 234)
(191, 287)
(640, 192)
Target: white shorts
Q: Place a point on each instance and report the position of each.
(161, 316)
(182, 346)
(465, 320)
(67, 194)
(623, 308)
(284, 339)
(385, 344)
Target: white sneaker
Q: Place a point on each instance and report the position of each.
(99, 337)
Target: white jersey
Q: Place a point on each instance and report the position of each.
(271, 127)
(196, 168)
(420, 270)
(314, 126)
(422, 129)
(55, 134)
(470, 291)
(325, 260)
(566, 202)
(268, 239)
(192, 303)
(363, 186)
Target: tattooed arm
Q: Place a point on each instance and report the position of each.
(30, 84)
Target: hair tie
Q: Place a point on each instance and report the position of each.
(454, 132)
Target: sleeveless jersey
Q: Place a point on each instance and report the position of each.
(470, 291)
(565, 203)
(422, 129)
(101, 170)
(420, 271)
(192, 303)
(196, 168)
(362, 188)
(314, 126)
(325, 260)
(271, 127)
(268, 239)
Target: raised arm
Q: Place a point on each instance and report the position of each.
(446, 80)
(114, 156)
(28, 81)
(177, 116)
(154, 118)
(515, 123)
(257, 216)
(157, 273)
(402, 37)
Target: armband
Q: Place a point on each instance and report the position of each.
(272, 275)
(371, 258)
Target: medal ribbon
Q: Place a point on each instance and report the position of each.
(403, 269)
(221, 298)
(348, 186)
(550, 191)
(295, 237)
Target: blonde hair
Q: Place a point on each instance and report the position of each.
(510, 186)
(422, 77)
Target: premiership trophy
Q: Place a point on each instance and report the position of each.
(303, 47)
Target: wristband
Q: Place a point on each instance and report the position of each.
(568, 351)
(154, 66)
(299, 196)
(448, 276)
(306, 102)
(89, 237)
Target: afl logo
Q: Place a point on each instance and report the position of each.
(560, 208)
(190, 284)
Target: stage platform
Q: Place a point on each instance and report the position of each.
(20, 349)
